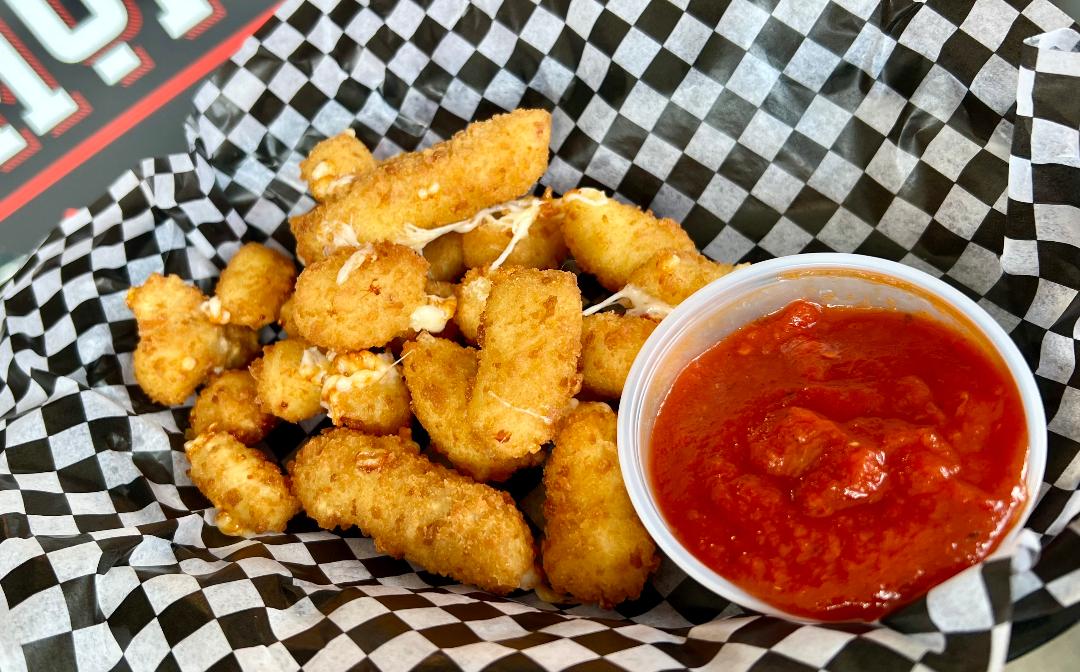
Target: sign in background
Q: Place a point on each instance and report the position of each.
(89, 87)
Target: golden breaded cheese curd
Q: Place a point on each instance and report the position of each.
(250, 492)
(609, 344)
(285, 388)
(472, 295)
(170, 363)
(595, 547)
(305, 228)
(333, 165)
(359, 298)
(229, 403)
(610, 239)
(446, 257)
(673, 275)
(252, 288)
(413, 508)
(365, 391)
(439, 374)
(285, 317)
(487, 163)
(530, 350)
(163, 298)
(543, 247)
(178, 346)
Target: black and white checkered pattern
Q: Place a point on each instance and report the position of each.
(943, 135)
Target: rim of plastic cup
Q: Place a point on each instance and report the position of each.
(667, 334)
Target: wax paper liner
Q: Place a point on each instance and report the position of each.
(942, 135)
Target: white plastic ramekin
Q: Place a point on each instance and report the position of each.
(748, 294)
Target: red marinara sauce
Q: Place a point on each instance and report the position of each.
(838, 462)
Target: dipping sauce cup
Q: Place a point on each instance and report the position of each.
(743, 297)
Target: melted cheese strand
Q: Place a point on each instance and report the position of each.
(313, 365)
(479, 288)
(418, 238)
(520, 222)
(354, 371)
(641, 302)
(515, 216)
(342, 181)
(396, 362)
(542, 418)
(433, 315)
(593, 197)
(363, 373)
(361, 255)
(341, 236)
(214, 311)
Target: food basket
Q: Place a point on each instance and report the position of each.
(939, 134)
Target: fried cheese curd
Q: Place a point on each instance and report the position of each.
(284, 388)
(363, 390)
(609, 344)
(446, 257)
(541, 247)
(285, 317)
(250, 492)
(334, 163)
(487, 163)
(595, 547)
(178, 346)
(472, 295)
(673, 275)
(229, 403)
(439, 374)
(252, 288)
(359, 298)
(413, 508)
(610, 239)
(530, 351)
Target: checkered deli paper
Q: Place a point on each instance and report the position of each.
(942, 135)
